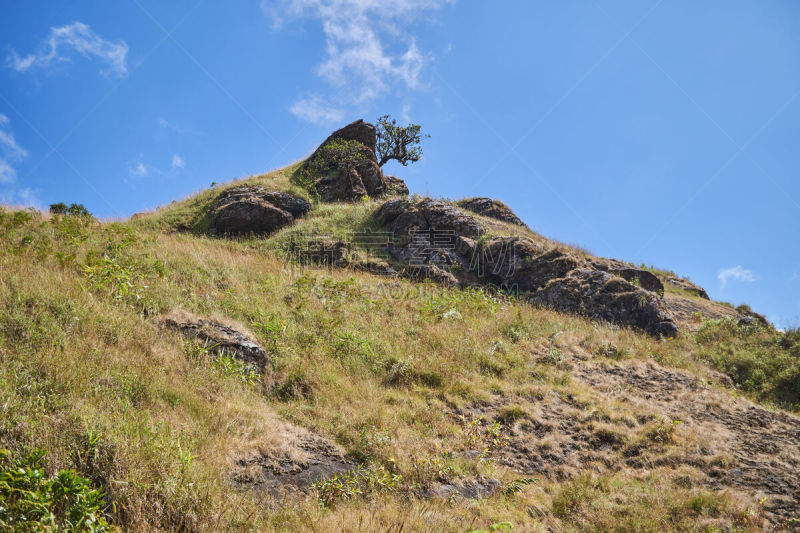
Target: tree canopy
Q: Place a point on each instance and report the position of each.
(401, 143)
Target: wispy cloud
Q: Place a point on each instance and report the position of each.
(736, 273)
(168, 125)
(139, 170)
(177, 161)
(75, 37)
(10, 152)
(315, 109)
(368, 45)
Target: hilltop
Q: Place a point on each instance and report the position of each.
(313, 349)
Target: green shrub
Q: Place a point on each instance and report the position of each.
(30, 501)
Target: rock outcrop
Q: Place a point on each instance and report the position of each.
(435, 240)
(491, 208)
(255, 210)
(345, 167)
(303, 460)
(219, 338)
(687, 286)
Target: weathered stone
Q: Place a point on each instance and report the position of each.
(473, 489)
(255, 210)
(405, 218)
(644, 278)
(687, 286)
(397, 186)
(345, 168)
(491, 208)
(307, 459)
(603, 296)
(219, 338)
(751, 317)
(360, 131)
(436, 241)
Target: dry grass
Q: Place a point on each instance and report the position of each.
(380, 367)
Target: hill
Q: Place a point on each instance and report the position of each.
(310, 350)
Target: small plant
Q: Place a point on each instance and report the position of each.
(663, 430)
(30, 501)
(109, 275)
(353, 483)
(518, 485)
(488, 436)
(229, 366)
(497, 526)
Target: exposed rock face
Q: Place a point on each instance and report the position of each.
(307, 458)
(644, 278)
(345, 167)
(638, 276)
(406, 219)
(397, 186)
(472, 489)
(360, 131)
(607, 297)
(255, 210)
(435, 240)
(492, 209)
(219, 338)
(751, 318)
(687, 286)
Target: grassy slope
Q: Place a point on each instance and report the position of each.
(370, 364)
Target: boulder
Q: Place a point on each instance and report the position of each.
(603, 296)
(219, 338)
(255, 210)
(688, 286)
(363, 132)
(643, 278)
(345, 167)
(750, 317)
(435, 217)
(491, 208)
(397, 186)
(434, 240)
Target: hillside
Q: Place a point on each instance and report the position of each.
(310, 350)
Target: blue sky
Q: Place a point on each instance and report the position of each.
(661, 132)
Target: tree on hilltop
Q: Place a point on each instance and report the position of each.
(401, 143)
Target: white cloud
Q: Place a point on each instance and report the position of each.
(315, 109)
(21, 197)
(139, 170)
(80, 38)
(736, 273)
(10, 152)
(163, 122)
(7, 172)
(177, 161)
(368, 47)
(404, 114)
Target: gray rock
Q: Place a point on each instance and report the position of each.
(404, 218)
(255, 210)
(219, 338)
(360, 131)
(602, 296)
(474, 489)
(644, 278)
(491, 208)
(397, 186)
(688, 286)
(348, 171)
